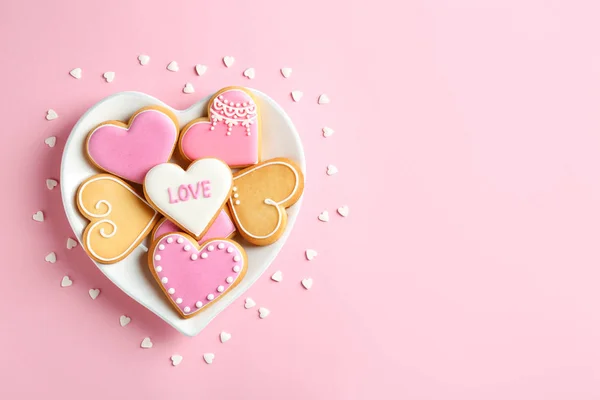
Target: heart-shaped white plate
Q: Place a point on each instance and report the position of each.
(131, 275)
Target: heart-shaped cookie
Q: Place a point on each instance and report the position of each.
(192, 199)
(222, 227)
(119, 218)
(260, 195)
(194, 277)
(130, 150)
(230, 133)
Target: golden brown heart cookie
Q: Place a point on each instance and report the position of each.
(119, 218)
(260, 195)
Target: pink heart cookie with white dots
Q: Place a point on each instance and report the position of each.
(194, 277)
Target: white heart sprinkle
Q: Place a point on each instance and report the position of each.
(51, 141)
(50, 115)
(71, 243)
(250, 73)
(324, 216)
(173, 66)
(94, 293)
(51, 183)
(225, 336)
(201, 69)
(76, 73)
(297, 95)
(331, 169)
(109, 76)
(277, 276)
(66, 281)
(310, 254)
(323, 99)
(51, 258)
(208, 358)
(286, 72)
(188, 88)
(327, 131)
(249, 303)
(228, 61)
(38, 216)
(176, 359)
(146, 343)
(143, 59)
(125, 320)
(263, 312)
(307, 283)
(343, 211)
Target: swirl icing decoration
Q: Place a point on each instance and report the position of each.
(119, 218)
(231, 132)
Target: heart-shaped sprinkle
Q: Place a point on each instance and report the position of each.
(125, 320)
(146, 343)
(66, 281)
(109, 76)
(225, 336)
(38, 216)
(208, 357)
(51, 141)
(343, 211)
(263, 312)
(51, 183)
(143, 59)
(324, 216)
(307, 283)
(94, 293)
(286, 72)
(188, 88)
(51, 258)
(75, 73)
(71, 243)
(331, 170)
(250, 73)
(176, 359)
(327, 131)
(310, 254)
(323, 99)
(277, 276)
(173, 66)
(249, 303)
(297, 95)
(228, 61)
(50, 115)
(201, 69)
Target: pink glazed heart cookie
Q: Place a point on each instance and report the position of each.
(131, 150)
(231, 132)
(222, 227)
(194, 277)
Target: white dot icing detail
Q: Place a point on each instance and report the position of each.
(210, 296)
(230, 249)
(204, 255)
(194, 256)
(186, 247)
(161, 246)
(236, 268)
(180, 240)
(220, 289)
(234, 189)
(158, 268)
(171, 291)
(187, 309)
(170, 240)
(221, 246)
(237, 202)
(198, 304)
(236, 258)
(229, 279)
(211, 247)
(164, 279)
(236, 195)
(157, 257)
(179, 300)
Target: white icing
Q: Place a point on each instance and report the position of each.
(180, 240)
(210, 296)
(171, 291)
(198, 304)
(187, 309)
(157, 257)
(161, 246)
(236, 268)
(194, 256)
(211, 247)
(236, 258)
(230, 249)
(158, 268)
(221, 246)
(170, 240)
(229, 279)
(186, 247)
(164, 279)
(220, 289)
(179, 300)
(204, 255)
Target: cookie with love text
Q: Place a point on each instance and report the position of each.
(119, 218)
(129, 150)
(191, 198)
(193, 276)
(222, 227)
(260, 195)
(231, 132)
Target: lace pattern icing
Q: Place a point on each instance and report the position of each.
(232, 114)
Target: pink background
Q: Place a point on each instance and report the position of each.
(467, 139)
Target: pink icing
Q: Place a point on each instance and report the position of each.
(222, 227)
(190, 276)
(231, 134)
(130, 153)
